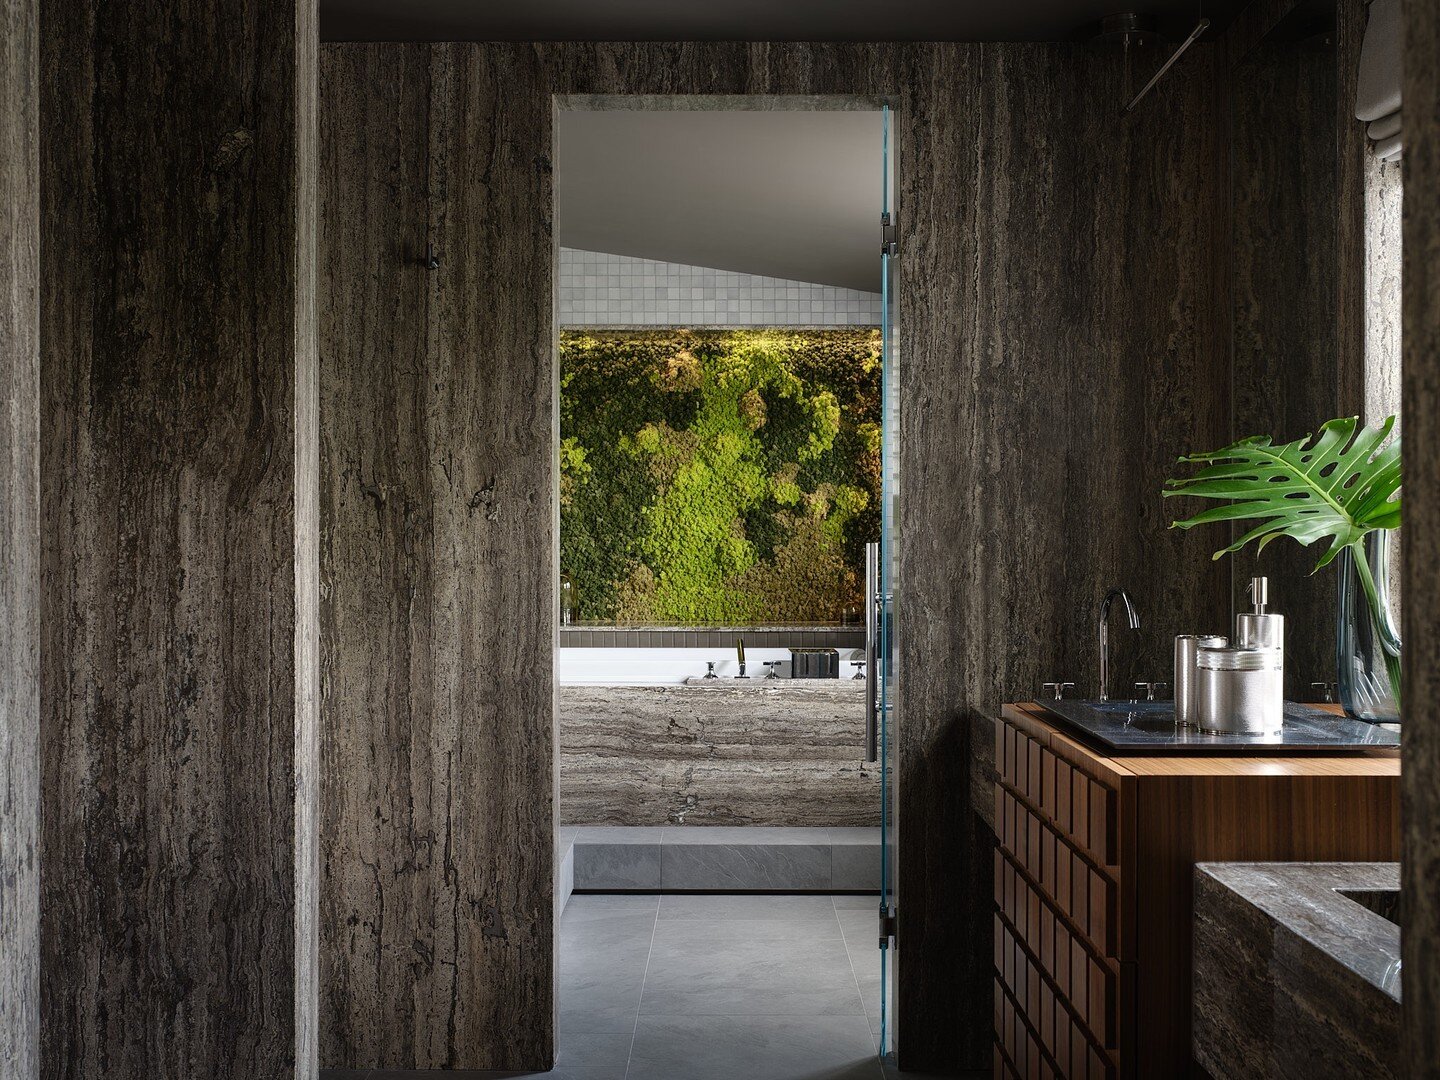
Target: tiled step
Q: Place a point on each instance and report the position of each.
(710, 858)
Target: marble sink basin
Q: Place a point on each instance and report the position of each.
(1383, 902)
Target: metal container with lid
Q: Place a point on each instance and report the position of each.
(1240, 690)
(1186, 647)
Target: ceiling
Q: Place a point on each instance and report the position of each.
(784, 194)
(743, 20)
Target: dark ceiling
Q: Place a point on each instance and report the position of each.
(744, 20)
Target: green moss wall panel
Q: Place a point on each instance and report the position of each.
(19, 542)
(719, 477)
(177, 479)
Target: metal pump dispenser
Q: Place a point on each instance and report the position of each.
(1258, 629)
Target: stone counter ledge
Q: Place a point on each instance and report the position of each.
(1292, 977)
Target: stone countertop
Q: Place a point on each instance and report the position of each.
(1308, 901)
(1131, 727)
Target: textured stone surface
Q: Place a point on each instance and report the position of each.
(176, 471)
(1284, 271)
(19, 542)
(726, 859)
(1058, 286)
(783, 755)
(1293, 979)
(618, 866)
(1062, 330)
(437, 560)
(1420, 774)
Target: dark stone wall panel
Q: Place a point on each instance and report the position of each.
(176, 351)
(1420, 771)
(19, 542)
(437, 391)
(1288, 331)
(1058, 289)
(1060, 346)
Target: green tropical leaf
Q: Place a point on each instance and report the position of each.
(1338, 486)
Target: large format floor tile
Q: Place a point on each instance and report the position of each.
(716, 987)
(750, 978)
(753, 1048)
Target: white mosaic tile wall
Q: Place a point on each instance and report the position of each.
(597, 289)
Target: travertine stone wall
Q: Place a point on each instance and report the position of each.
(19, 542)
(1059, 299)
(780, 754)
(1420, 752)
(437, 393)
(178, 481)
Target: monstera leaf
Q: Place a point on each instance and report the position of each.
(1338, 487)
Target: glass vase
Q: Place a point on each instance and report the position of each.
(1367, 660)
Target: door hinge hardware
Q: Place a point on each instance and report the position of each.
(889, 245)
(887, 926)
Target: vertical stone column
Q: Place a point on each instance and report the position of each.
(178, 493)
(438, 559)
(19, 542)
(1420, 767)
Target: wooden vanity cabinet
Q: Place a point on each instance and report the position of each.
(1094, 882)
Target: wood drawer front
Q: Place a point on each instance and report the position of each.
(1036, 1033)
(1080, 807)
(1082, 893)
(1088, 985)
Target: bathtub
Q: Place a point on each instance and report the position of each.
(660, 667)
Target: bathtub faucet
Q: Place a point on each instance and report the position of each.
(740, 655)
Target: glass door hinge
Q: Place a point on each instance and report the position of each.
(887, 926)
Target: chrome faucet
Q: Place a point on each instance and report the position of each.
(1130, 616)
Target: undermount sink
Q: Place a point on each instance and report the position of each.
(1383, 902)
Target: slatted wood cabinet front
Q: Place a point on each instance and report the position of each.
(1063, 959)
(1094, 868)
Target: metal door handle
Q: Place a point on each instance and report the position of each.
(872, 682)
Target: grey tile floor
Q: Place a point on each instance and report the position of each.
(712, 987)
(680, 987)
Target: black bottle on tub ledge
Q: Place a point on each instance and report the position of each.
(814, 663)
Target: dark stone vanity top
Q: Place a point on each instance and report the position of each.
(1149, 727)
(1296, 972)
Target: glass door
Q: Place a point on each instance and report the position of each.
(882, 598)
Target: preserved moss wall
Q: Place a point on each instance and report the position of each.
(718, 476)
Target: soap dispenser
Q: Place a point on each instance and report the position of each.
(1259, 629)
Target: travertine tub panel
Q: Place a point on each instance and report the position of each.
(759, 755)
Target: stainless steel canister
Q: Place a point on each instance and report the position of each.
(1186, 646)
(1259, 631)
(1240, 691)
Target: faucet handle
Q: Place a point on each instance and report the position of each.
(1144, 691)
(1324, 691)
(1055, 691)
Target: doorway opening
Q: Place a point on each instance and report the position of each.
(726, 359)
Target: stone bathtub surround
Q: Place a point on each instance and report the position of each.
(1292, 977)
(782, 752)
